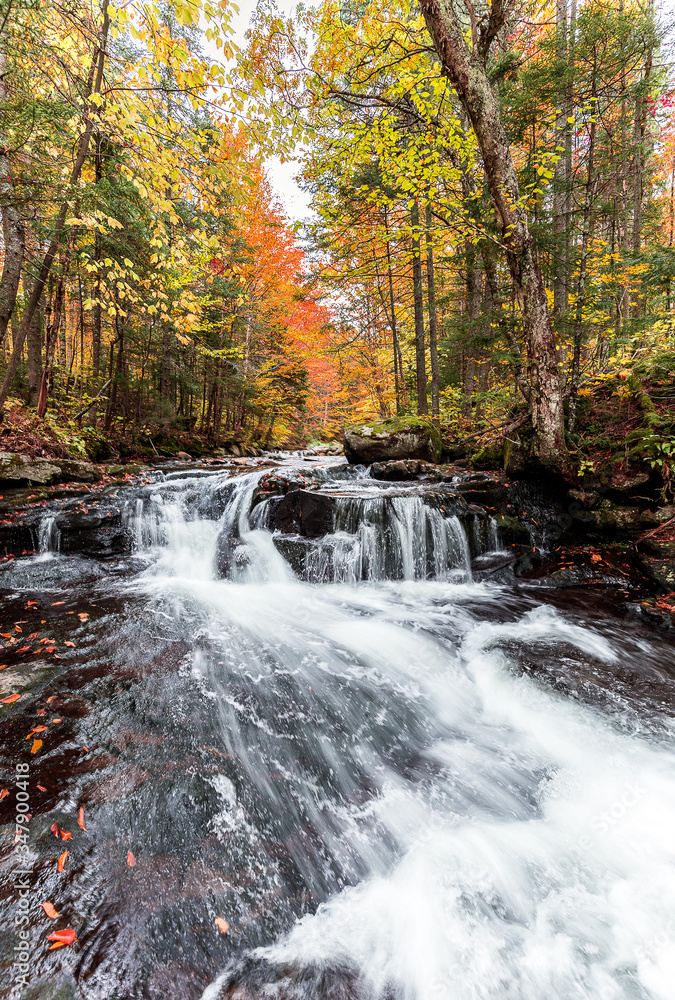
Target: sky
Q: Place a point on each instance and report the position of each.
(294, 201)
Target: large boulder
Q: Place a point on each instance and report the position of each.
(392, 439)
(22, 469)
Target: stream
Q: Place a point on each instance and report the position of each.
(392, 779)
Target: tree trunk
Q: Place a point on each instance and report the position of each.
(466, 69)
(34, 346)
(560, 262)
(433, 323)
(398, 370)
(581, 285)
(418, 298)
(53, 330)
(12, 224)
(93, 86)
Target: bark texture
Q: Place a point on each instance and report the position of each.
(466, 69)
(13, 231)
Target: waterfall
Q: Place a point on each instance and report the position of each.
(49, 536)
(378, 535)
(388, 538)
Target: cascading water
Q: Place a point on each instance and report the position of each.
(392, 782)
(48, 535)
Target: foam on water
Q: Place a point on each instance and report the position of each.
(524, 853)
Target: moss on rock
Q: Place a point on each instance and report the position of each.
(393, 438)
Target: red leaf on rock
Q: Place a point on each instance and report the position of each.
(131, 860)
(3, 794)
(62, 861)
(50, 911)
(67, 936)
(55, 829)
(12, 697)
(80, 819)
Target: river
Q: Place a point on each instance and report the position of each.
(391, 781)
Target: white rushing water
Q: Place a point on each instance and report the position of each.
(481, 837)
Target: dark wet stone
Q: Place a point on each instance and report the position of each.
(404, 469)
(486, 492)
(304, 513)
(230, 552)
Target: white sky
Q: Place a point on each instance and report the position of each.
(282, 175)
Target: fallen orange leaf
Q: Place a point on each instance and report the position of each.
(57, 602)
(83, 616)
(66, 835)
(3, 794)
(12, 697)
(131, 860)
(67, 936)
(42, 788)
(59, 944)
(69, 644)
(62, 861)
(595, 557)
(80, 819)
(222, 925)
(36, 746)
(50, 911)
(17, 629)
(6, 635)
(56, 720)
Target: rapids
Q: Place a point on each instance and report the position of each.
(391, 781)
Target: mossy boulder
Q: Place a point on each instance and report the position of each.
(22, 469)
(392, 439)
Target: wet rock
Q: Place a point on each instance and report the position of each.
(278, 484)
(129, 469)
(613, 519)
(621, 486)
(392, 439)
(302, 512)
(23, 469)
(230, 553)
(94, 533)
(512, 530)
(660, 570)
(183, 455)
(16, 537)
(664, 514)
(485, 491)
(405, 469)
